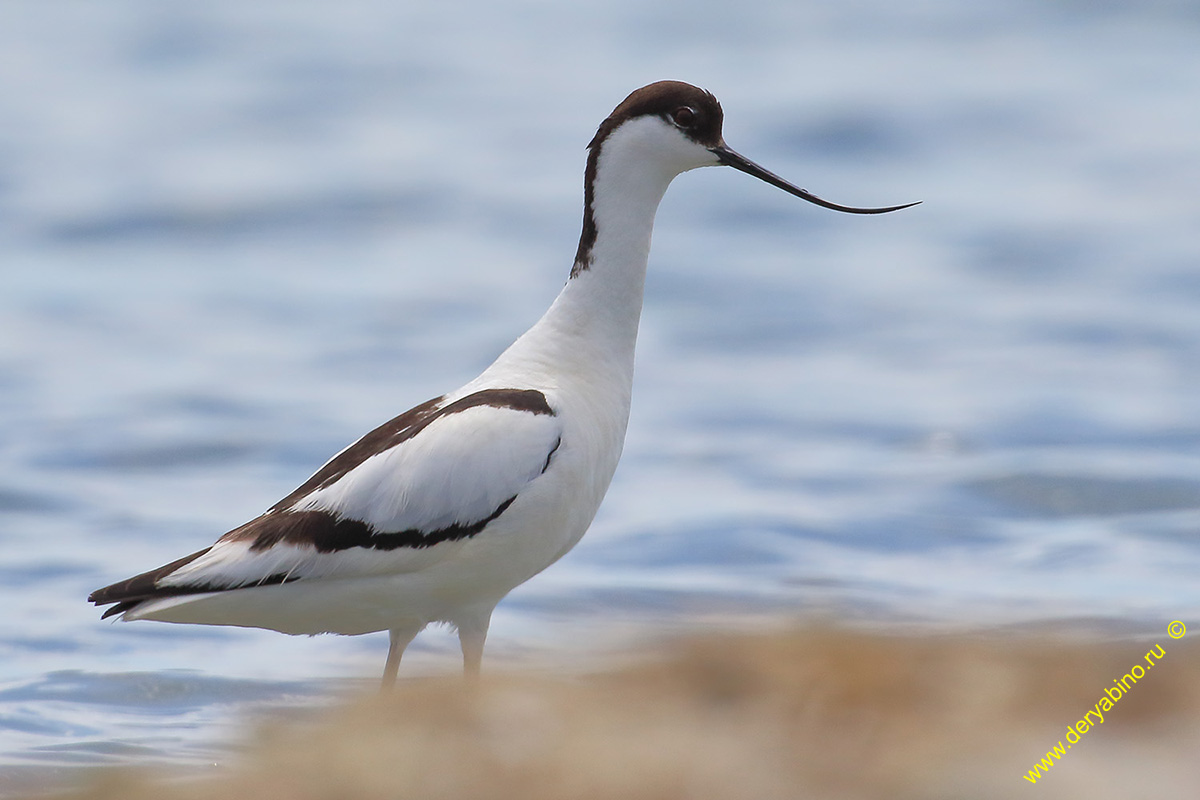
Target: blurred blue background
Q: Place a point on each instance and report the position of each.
(234, 237)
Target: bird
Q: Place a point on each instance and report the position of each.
(436, 515)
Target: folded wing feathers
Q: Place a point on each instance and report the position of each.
(435, 473)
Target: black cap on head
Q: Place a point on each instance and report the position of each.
(689, 108)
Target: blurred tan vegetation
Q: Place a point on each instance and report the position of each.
(808, 713)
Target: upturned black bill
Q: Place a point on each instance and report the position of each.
(733, 159)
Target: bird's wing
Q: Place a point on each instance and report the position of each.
(440, 472)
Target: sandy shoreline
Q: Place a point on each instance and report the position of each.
(811, 712)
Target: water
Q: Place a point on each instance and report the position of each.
(235, 238)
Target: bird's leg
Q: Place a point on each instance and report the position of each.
(400, 639)
(472, 632)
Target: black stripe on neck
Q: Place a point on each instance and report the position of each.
(583, 256)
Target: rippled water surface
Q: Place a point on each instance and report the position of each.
(232, 239)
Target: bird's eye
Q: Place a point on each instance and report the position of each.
(684, 116)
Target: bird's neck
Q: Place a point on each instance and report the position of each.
(593, 323)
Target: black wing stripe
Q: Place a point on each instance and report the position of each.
(198, 588)
(327, 533)
(139, 586)
(318, 529)
(408, 425)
